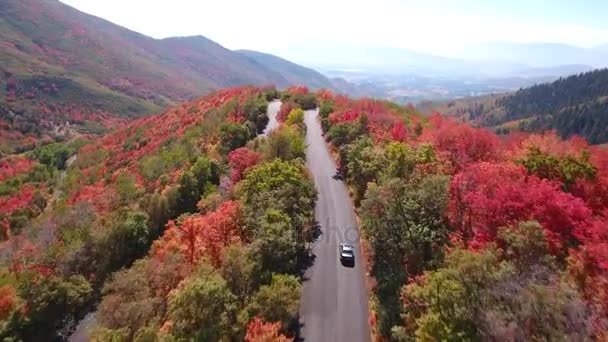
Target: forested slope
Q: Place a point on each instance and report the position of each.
(576, 105)
(471, 236)
(208, 220)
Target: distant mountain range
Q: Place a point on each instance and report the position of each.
(60, 65)
(480, 61)
(538, 55)
(573, 105)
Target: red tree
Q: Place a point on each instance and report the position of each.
(298, 90)
(344, 116)
(465, 145)
(259, 331)
(399, 132)
(488, 196)
(283, 113)
(201, 236)
(240, 160)
(12, 167)
(19, 200)
(8, 298)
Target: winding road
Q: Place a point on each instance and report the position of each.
(271, 112)
(334, 303)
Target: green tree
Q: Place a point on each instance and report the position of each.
(305, 101)
(296, 117)
(326, 108)
(52, 302)
(188, 194)
(344, 133)
(286, 143)
(129, 302)
(402, 159)
(255, 113)
(280, 185)
(127, 188)
(512, 293)
(128, 237)
(277, 302)
(242, 270)
(205, 171)
(159, 212)
(445, 306)
(195, 183)
(152, 167)
(54, 155)
(365, 162)
(203, 308)
(232, 136)
(567, 169)
(403, 222)
(278, 244)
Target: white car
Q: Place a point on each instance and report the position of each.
(347, 253)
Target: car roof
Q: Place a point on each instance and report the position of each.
(346, 246)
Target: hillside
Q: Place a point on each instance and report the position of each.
(204, 218)
(294, 73)
(200, 171)
(573, 105)
(59, 65)
(465, 232)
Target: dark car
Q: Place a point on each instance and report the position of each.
(347, 254)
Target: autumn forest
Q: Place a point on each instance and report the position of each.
(172, 189)
(209, 223)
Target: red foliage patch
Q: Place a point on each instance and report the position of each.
(462, 144)
(99, 195)
(13, 167)
(202, 236)
(240, 160)
(19, 200)
(595, 191)
(399, 132)
(342, 117)
(284, 111)
(260, 331)
(488, 196)
(325, 94)
(298, 90)
(8, 298)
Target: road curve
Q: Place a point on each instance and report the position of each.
(271, 112)
(334, 304)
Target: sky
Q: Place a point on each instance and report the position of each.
(441, 27)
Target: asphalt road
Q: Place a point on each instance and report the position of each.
(334, 305)
(271, 112)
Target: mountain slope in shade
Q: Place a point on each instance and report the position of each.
(575, 105)
(294, 73)
(59, 65)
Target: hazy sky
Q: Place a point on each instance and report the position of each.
(436, 26)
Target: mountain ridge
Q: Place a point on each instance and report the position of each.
(63, 69)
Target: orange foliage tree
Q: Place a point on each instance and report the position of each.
(259, 331)
(201, 236)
